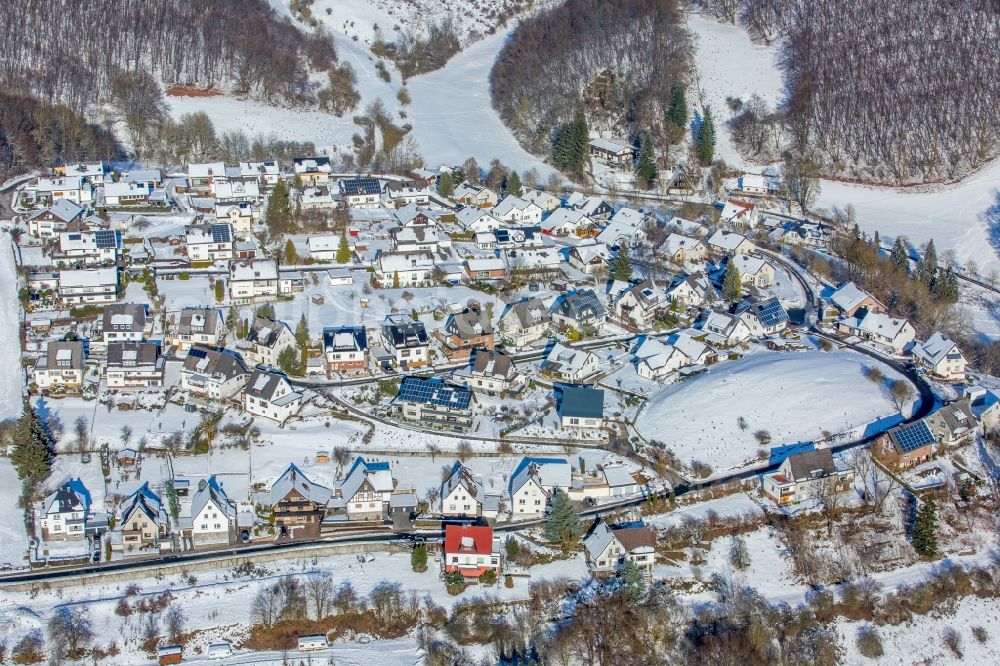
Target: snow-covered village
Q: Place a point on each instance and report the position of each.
(386, 339)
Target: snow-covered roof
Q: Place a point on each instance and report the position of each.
(677, 242)
(550, 473)
(91, 277)
(257, 269)
(208, 169)
(329, 243)
(882, 324)
(377, 474)
(935, 349)
(848, 297)
(610, 145)
(293, 479)
(487, 264)
(598, 540)
(748, 265)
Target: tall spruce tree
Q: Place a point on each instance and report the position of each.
(343, 250)
(900, 256)
(925, 530)
(302, 331)
(705, 145)
(646, 171)
(677, 114)
(928, 265)
(514, 184)
(278, 212)
(581, 141)
(732, 285)
(621, 265)
(291, 254)
(563, 524)
(446, 184)
(33, 446)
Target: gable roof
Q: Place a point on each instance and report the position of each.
(293, 479)
(472, 539)
(345, 338)
(377, 475)
(565, 360)
(266, 332)
(214, 363)
(803, 465)
(548, 472)
(908, 438)
(434, 391)
(848, 297)
(529, 312)
(935, 349)
(462, 476)
(581, 402)
(263, 385)
(727, 240)
(579, 305)
(492, 363)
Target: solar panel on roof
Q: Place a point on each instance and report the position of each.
(197, 353)
(106, 238)
(912, 437)
(435, 392)
(772, 314)
(220, 233)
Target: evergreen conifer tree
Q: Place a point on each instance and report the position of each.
(732, 285)
(927, 267)
(291, 255)
(302, 331)
(32, 453)
(925, 530)
(514, 184)
(900, 257)
(395, 280)
(646, 171)
(343, 250)
(632, 580)
(563, 524)
(678, 113)
(877, 242)
(278, 211)
(621, 265)
(445, 185)
(705, 146)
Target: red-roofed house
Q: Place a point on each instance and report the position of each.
(471, 550)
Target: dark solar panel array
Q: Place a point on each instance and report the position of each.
(220, 233)
(435, 392)
(771, 313)
(197, 353)
(106, 238)
(361, 186)
(912, 437)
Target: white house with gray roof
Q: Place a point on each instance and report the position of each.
(210, 518)
(270, 396)
(525, 322)
(569, 364)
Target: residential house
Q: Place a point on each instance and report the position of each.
(985, 404)
(202, 177)
(491, 372)
(655, 359)
(581, 407)
(151, 179)
(941, 357)
(465, 331)
(345, 349)
(852, 301)
(471, 550)
(626, 226)
(642, 304)
(124, 194)
(365, 491)
(477, 220)
(49, 190)
(609, 548)
(360, 193)
(515, 211)
(88, 247)
(317, 198)
(758, 184)
(542, 199)
(463, 494)
(740, 214)
(213, 375)
(730, 242)
(397, 194)
(412, 215)
(524, 322)
(894, 333)
(266, 174)
(299, 504)
(806, 476)
(55, 219)
(753, 270)
(134, 365)
(418, 239)
(94, 173)
(143, 523)
(312, 171)
(253, 279)
(433, 402)
(579, 309)
(406, 340)
(535, 480)
(209, 242)
(270, 396)
(265, 341)
(488, 269)
(568, 364)
(726, 330)
(211, 518)
(905, 446)
(590, 257)
(323, 248)
(533, 262)
(92, 286)
(954, 423)
(764, 317)
(480, 196)
(124, 322)
(690, 228)
(404, 269)
(197, 326)
(63, 515)
(237, 192)
(691, 291)
(594, 207)
(613, 152)
(239, 216)
(683, 249)
(61, 367)
(565, 221)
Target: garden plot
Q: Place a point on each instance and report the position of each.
(793, 396)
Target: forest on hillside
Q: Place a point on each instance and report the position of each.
(618, 59)
(64, 53)
(893, 92)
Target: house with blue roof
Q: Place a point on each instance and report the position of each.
(432, 401)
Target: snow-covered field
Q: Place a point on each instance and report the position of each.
(13, 538)
(729, 64)
(10, 341)
(794, 396)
